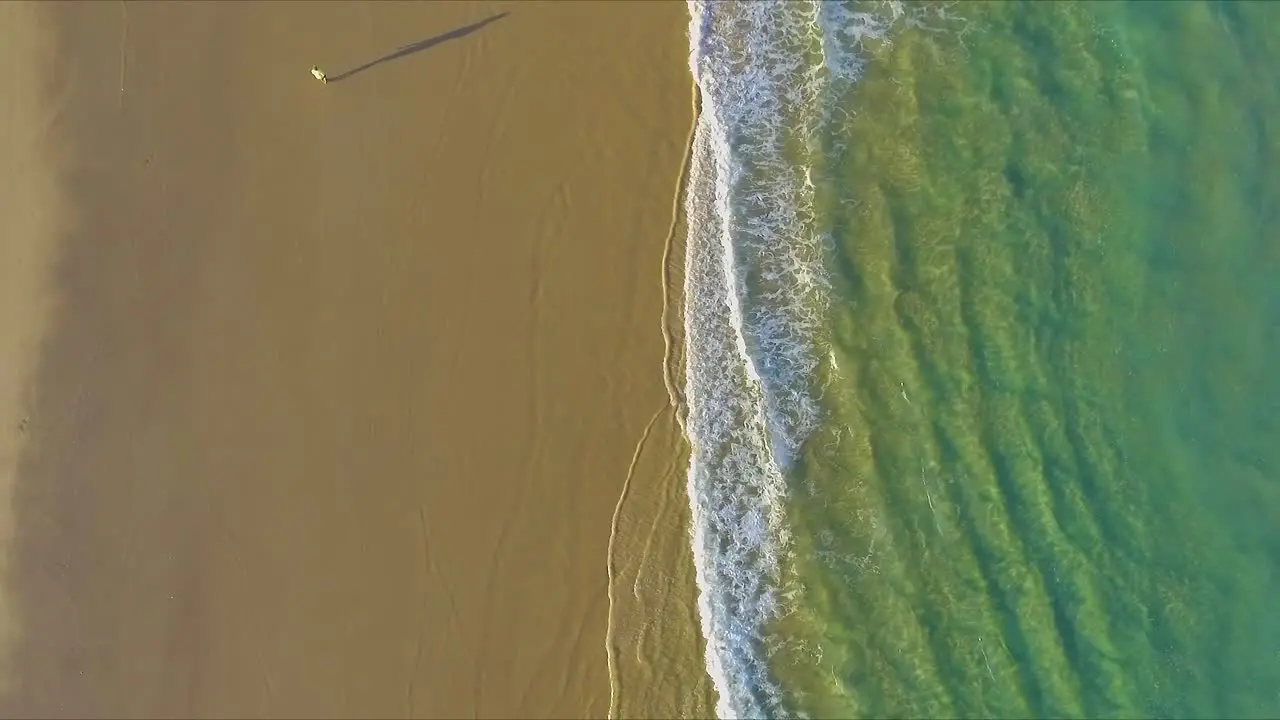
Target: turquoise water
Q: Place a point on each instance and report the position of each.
(1021, 455)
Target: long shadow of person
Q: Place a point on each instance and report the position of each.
(419, 46)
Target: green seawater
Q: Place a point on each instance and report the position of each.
(1049, 484)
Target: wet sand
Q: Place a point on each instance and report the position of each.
(657, 664)
(340, 382)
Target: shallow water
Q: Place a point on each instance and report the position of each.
(1045, 481)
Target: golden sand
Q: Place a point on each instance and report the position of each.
(343, 380)
(656, 648)
(31, 208)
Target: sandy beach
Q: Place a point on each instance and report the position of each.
(319, 397)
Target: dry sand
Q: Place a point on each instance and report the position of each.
(31, 204)
(340, 382)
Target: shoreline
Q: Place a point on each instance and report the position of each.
(310, 430)
(658, 616)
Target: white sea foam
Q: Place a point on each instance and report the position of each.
(769, 72)
(755, 288)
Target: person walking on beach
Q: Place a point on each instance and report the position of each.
(319, 74)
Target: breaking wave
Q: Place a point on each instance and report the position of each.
(770, 75)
